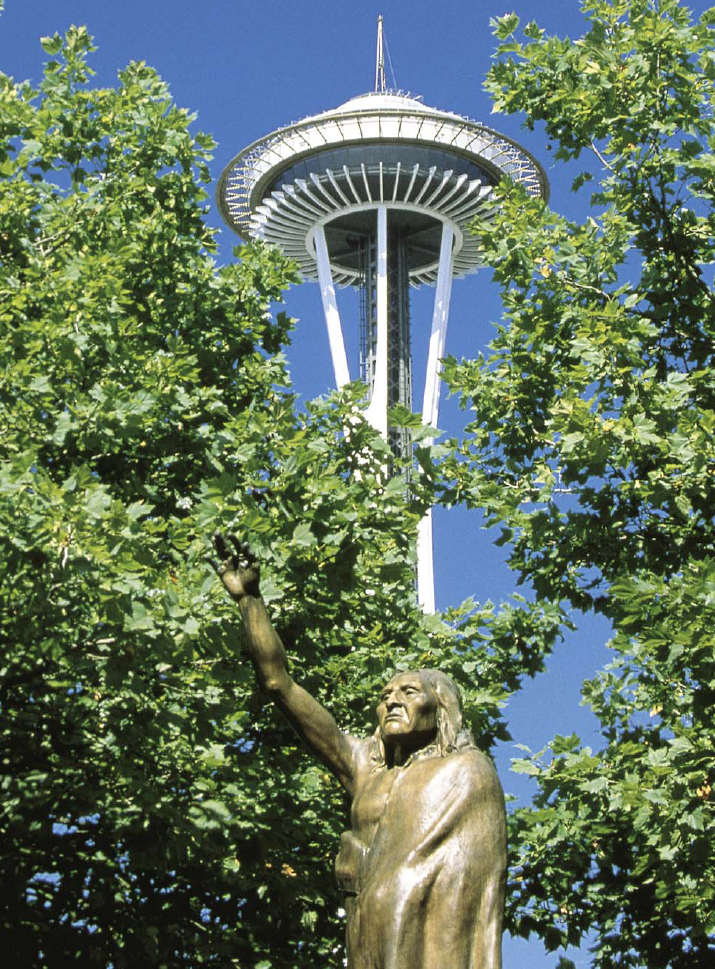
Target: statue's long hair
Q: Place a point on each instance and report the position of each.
(451, 733)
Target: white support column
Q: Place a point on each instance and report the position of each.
(438, 336)
(425, 564)
(377, 409)
(430, 408)
(330, 309)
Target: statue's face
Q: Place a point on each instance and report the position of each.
(407, 711)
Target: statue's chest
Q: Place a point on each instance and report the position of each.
(371, 800)
(398, 792)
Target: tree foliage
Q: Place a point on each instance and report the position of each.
(591, 447)
(155, 811)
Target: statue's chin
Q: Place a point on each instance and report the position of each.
(397, 734)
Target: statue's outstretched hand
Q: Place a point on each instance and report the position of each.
(237, 568)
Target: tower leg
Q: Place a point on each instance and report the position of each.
(330, 309)
(430, 409)
(438, 336)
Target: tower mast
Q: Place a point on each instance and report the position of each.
(379, 60)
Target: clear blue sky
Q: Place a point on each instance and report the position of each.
(249, 68)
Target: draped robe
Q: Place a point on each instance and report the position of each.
(426, 891)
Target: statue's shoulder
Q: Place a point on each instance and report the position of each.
(473, 766)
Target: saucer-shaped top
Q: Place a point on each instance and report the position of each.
(380, 148)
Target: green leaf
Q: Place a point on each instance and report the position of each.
(522, 766)
(303, 535)
(52, 45)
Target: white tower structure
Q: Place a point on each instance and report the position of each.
(378, 194)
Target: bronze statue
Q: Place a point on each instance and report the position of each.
(423, 866)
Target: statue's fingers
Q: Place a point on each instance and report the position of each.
(215, 565)
(236, 542)
(243, 551)
(221, 547)
(248, 553)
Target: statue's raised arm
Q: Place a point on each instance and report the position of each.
(239, 571)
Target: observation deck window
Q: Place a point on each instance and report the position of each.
(354, 156)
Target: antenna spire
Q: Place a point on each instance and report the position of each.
(379, 60)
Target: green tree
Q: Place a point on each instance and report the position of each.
(591, 447)
(155, 811)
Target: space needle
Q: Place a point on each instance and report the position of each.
(378, 194)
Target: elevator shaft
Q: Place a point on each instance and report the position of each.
(399, 359)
